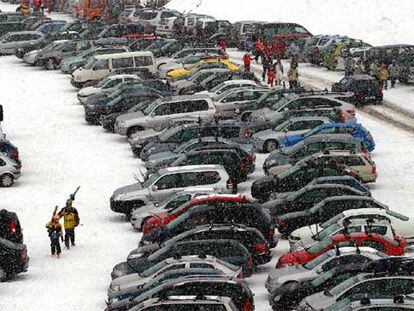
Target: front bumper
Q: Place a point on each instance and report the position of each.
(120, 129)
(76, 84)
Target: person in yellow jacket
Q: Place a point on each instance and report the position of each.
(54, 229)
(383, 75)
(71, 221)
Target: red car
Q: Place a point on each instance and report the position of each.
(394, 247)
(163, 218)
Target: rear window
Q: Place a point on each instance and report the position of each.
(207, 178)
(147, 15)
(122, 63)
(230, 131)
(141, 61)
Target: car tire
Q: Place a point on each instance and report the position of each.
(134, 206)
(133, 130)
(50, 64)
(245, 116)
(6, 180)
(277, 305)
(270, 145)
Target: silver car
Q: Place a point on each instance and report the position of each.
(364, 283)
(9, 171)
(10, 42)
(139, 215)
(325, 262)
(163, 111)
(177, 85)
(167, 181)
(135, 280)
(270, 140)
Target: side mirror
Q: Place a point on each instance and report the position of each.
(286, 109)
(285, 130)
(154, 188)
(319, 271)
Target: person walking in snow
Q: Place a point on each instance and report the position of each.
(373, 69)
(393, 70)
(247, 60)
(54, 229)
(383, 75)
(359, 69)
(278, 72)
(293, 76)
(223, 45)
(349, 65)
(267, 64)
(71, 221)
(271, 74)
(259, 48)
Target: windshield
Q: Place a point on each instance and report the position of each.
(343, 286)
(320, 246)
(279, 104)
(282, 126)
(318, 260)
(288, 172)
(147, 15)
(151, 107)
(153, 178)
(322, 278)
(90, 63)
(332, 221)
(167, 133)
(153, 269)
(327, 232)
(103, 82)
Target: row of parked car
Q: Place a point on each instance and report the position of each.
(198, 128)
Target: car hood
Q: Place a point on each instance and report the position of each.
(293, 139)
(143, 250)
(153, 148)
(130, 116)
(298, 257)
(277, 277)
(266, 134)
(143, 136)
(161, 158)
(273, 206)
(126, 192)
(88, 91)
(71, 59)
(318, 301)
(262, 115)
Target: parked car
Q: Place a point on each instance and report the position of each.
(127, 31)
(354, 129)
(360, 166)
(8, 149)
(183, 73)
(376, 225)
(9, 171)
(136, 280)
(306, 197)
(163, 111)
(293, 179)
(342, 180)
(282, 159)
(248, 214)
(235, 289)
(366, 283)
(236, 131)
(167, 181)
(200, 302)
(15, 40)
(324, 211)
(359, 304)
(366, 89)
(271, 139)
(10, 228)
(154, 17)
(161, 219)
(13, 259)
(228, 250)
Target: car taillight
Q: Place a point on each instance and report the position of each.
(240, 275)
(373, 169)
(271, 233)
(250, 158)
(351, 112)
(281, 223)
(15, 154)
(260, 248)
(242, 167)
(379, 90)
(247, 305)
(357, 92)
(13, 227)
(17, 167)
(22, 256)
(247, 133)
(229, 183)
(279, 264)
(343, 120)
(249, 263)
(316, 49)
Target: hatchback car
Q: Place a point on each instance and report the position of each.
(167, 181)
(13, 259)
(9, 171)
(10, 228)
(15, 40)
(342, 180)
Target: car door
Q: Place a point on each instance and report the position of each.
(165, 187)
(348, 260)
(308, 199)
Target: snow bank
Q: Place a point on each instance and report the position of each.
(377, 22)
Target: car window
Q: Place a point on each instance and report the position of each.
(232, 97)
(208, 178)
(170, 268)
(2, 163)
(315, 195)
(178, 201)
(186, 135)
(230, 131)
(373, 286)
(168, 182)
(353, 161)
(122, 63)
(111, 83)
(381, 230)
(197, 105)
(201, 265)
(375, 245)
(162, 110)
(142, 61)
(345, 260)
(101, 64)
(347, 130)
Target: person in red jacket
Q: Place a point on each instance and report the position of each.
(271, 74)
(259, 47)
(223, 45)
(247, 60)
(279, 48)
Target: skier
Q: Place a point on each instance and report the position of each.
(393, 70)
(383, 75)
(349, 66)
(267, 64)
(54, 230)
(271, 76)
(359, 69)
(373, 69)
(223, 45)
(259, 47)
(71, 221)
(247, 59)
(293, 77)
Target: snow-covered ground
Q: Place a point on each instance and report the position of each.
(60, 151)
(375, 21)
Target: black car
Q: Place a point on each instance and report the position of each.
(248, 214)
(405, 63)
(129, 31)
(307, 197)
(118, 101)
(251, 238)
(293, 179)
(391, 265)
(228, 250)
(13, 259)
(168, 49)
(366, 89)
(235, 289)
(231, 160)
(10, 228)
(236, 131)
(324, 211)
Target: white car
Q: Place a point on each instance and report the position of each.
(228, 85)
(138, 280)
(375, 225)
(107, 84)
(140, 214)
(403, 226)
(9, 171)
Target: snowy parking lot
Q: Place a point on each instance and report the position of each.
(60, 150)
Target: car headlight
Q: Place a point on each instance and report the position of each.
(145, 243)
(115, 287)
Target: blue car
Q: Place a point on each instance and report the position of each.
(342, 180)
(354, 129)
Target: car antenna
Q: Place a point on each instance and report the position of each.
(337, 251)
(199, 120)
(358, 250)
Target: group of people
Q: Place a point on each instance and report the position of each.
(54, 228)
(374, 68)
(39, 6)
